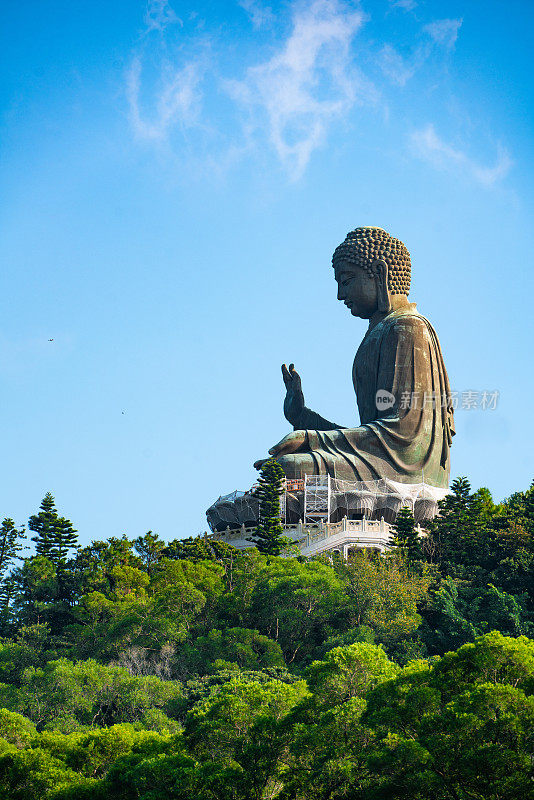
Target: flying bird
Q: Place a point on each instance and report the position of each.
(50, 340)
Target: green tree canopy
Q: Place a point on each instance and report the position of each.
(460, 728)
(404, 535)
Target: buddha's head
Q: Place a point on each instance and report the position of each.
(370, 267)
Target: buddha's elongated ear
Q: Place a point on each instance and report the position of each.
(380, 269)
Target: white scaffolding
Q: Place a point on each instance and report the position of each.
(317, 498)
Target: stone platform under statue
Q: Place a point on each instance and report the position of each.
(321, 498)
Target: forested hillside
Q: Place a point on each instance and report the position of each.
(151, 670)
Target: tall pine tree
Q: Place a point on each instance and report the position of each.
(10, 544)
(405, 537)
(460, 531)
(10, 547)
(55, 535)
(42, 524)
(64, 539)
(268, 534)
(529, 509)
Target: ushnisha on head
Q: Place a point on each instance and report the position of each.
(371, 266)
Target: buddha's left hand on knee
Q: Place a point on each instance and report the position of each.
(297, 441)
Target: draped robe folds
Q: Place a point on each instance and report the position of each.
(408, 441)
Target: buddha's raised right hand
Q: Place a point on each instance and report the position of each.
(294, 401)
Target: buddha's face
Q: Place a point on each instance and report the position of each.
(357, 289)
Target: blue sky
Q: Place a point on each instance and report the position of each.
(175, 179)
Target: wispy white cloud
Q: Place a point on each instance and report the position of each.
(406, 5)
(159, 15)
(175, 101)
(259, 14)
(398, 69)
(444, 31)
(427, 145)
(308, 83)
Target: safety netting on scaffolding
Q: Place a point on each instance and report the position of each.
(333, 499)
(320, 497)
(233, 510)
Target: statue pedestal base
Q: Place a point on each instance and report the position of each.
(319, 498)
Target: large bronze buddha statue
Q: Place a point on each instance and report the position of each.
(401, 385)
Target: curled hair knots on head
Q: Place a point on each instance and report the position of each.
(365, 245)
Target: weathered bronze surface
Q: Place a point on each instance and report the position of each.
(401, 385)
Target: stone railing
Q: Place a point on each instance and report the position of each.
(310, 535)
